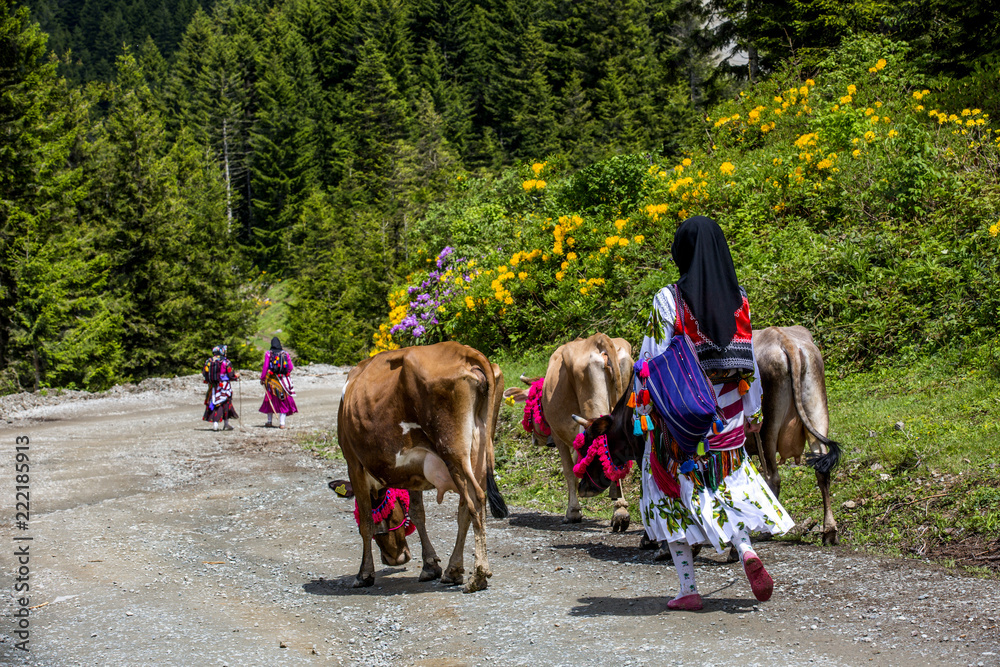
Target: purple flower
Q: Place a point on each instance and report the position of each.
(447, 250)
(418, 331)
(411, 290)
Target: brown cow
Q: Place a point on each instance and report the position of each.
(584, 376)
(795, 411)
(423, 418)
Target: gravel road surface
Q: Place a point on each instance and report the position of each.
(156, 541)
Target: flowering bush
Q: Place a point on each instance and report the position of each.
(853, 205)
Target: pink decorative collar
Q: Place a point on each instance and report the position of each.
(533, 416)
(384, 510)
(599, 448)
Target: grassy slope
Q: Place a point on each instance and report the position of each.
(930, 487)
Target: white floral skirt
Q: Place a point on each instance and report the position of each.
(742, 501)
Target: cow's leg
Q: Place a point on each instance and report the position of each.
(573, 512)
(455, 572)
(362, 491)
(829, 523)
(432, 564)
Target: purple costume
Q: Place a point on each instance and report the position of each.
(273, 402)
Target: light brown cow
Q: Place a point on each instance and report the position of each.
(423, 418)
(795, 411)
(584, 376)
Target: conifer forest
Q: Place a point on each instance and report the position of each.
(506, 173)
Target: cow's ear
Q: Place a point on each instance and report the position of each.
(342, 488)
(516, 394)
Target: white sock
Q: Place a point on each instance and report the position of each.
(684, 564)
(742, 543)
(269, 416)
(281, 419)
(215, 426)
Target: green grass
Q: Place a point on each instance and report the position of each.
(919, 463)
(273, 319)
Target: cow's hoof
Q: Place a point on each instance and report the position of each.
(430, 572)
(663, 553)
(830, 538)
(645, 543)
(620, 519)
(454, 576)
(476, 584)
(365, 582)
(733, 555)
(574, 515)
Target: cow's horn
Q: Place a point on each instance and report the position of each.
(580, 420)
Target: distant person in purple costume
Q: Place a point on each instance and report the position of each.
(279, 395)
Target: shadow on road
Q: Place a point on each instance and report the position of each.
(553, 522)
(654, 605)
(343, 586)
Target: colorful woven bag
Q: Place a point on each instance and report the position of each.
(681, 392)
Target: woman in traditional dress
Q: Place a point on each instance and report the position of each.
(678, 503)
(279, 395)
(217, 374)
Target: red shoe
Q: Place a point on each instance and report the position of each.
(690, 602)
(760, 581)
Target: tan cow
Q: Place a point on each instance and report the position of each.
(795, 411)
(584, 376)
(423, 418)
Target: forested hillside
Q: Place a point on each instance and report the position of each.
(165, 162)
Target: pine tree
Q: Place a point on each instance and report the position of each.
(283, 141)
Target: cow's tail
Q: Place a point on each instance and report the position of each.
(824, 464)
(498, 508)
(494, 382)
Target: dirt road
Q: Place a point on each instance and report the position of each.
(159, 542)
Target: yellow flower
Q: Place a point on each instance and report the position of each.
(810, 82)
(623, 242)
(537, 168)
(539, 184)
(727, 168)
(564, 266)
(620, 224)
(803, 91)
(851, 89)
(846, 99)
(686, 162)
(966, 112)
(869, 111)
(893, 133)
(917, 95)
(470, 303)
(869, 136)
(604, 250)
(995, 229)
(824, 164)
(583, 290)
(571, 256)
(559, 275)
(976, 112)
(508, 300)
(522, 275)
(639, 239)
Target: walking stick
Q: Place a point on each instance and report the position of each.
(239, 381)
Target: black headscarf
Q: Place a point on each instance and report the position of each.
(275, 345)
(708, 278)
